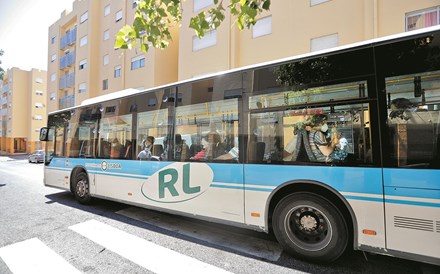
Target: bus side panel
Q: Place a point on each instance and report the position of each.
(361, 187)
(57, 175)
(412, 204)
(211, 190)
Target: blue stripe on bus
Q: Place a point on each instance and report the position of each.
(364, 198)
(416, 203)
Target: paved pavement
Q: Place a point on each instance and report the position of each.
(5, 158)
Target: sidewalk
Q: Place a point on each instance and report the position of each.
(21, 156)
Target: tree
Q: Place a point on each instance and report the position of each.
(154, 18)
(1, 69)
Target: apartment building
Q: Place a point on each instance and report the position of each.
(23, 110)
(296, 27)
(83, 63)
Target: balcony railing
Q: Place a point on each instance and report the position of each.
(67, 101)
(5, 88)
(67, 60)
(67, 81)
(68, 39)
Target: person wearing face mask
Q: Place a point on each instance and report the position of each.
(320, 146)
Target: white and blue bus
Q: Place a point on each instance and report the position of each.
(333, 150)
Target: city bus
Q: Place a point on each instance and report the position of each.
(330, 151)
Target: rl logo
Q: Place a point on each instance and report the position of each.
(168, 178)
(178, 182)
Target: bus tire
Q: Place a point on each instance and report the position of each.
(81, 188)
(310, 227)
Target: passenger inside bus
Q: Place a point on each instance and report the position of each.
(146, 152)
(115, 149)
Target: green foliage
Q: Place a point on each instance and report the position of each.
(154, 18)
(1, 69)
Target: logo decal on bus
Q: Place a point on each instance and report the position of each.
(178, 182)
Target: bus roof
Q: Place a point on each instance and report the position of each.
(131, 91)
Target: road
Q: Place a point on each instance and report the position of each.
(44, 229)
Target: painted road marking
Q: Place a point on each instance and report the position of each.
(33, 256)
(142, 252)
(247, 244)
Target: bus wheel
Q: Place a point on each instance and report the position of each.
(81, 188)
(310, 227)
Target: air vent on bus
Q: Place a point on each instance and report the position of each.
(437, 226)
(414, 223)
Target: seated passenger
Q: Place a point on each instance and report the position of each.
(216, 147)
(145, 154)
(320, 146)
(115, 149)
(231, 155)
(201, 155)
(181, 149)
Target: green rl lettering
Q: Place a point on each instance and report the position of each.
(186, 187)
(170, 184)
(173, 176)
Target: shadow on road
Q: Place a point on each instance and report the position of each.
(351, 262)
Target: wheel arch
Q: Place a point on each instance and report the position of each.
(75, 171)
(315, 187)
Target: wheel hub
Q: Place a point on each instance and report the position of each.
(308, 223)
(81, 188)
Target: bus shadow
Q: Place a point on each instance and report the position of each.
(240, 241)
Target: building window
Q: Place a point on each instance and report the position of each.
(105, 84)
(39, 93)
(423, 19)
(39, 105)
(106, 35)
(317, 2)
(201, 4)
(107, 10)
(137, 62)
(83, 41)
(53, 96)
(105, 59)
(84, 17)
(53, 58)
(117, 72)
(82, 87)
(262, 27)
(118, 16)
(135, 3)
(82, 64)
(53, 39)
(39, 80)
(324, 42)
(53, 77)
(38, 117)
(209, 40)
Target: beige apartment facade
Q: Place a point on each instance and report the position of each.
(23, 110)
(296, 27)
(83, 63)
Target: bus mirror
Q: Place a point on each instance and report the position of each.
(44, 134)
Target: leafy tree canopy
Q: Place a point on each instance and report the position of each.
(154, 18)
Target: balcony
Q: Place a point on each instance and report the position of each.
(67, 81)
(5, 88)
(67, 60)
(67, 101)
(4, 100)
(68, 39)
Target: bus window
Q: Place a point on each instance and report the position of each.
(155, 124)
(114, 135)
(207, 120)
(58, 124)
(414, 119)
(336, 134)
